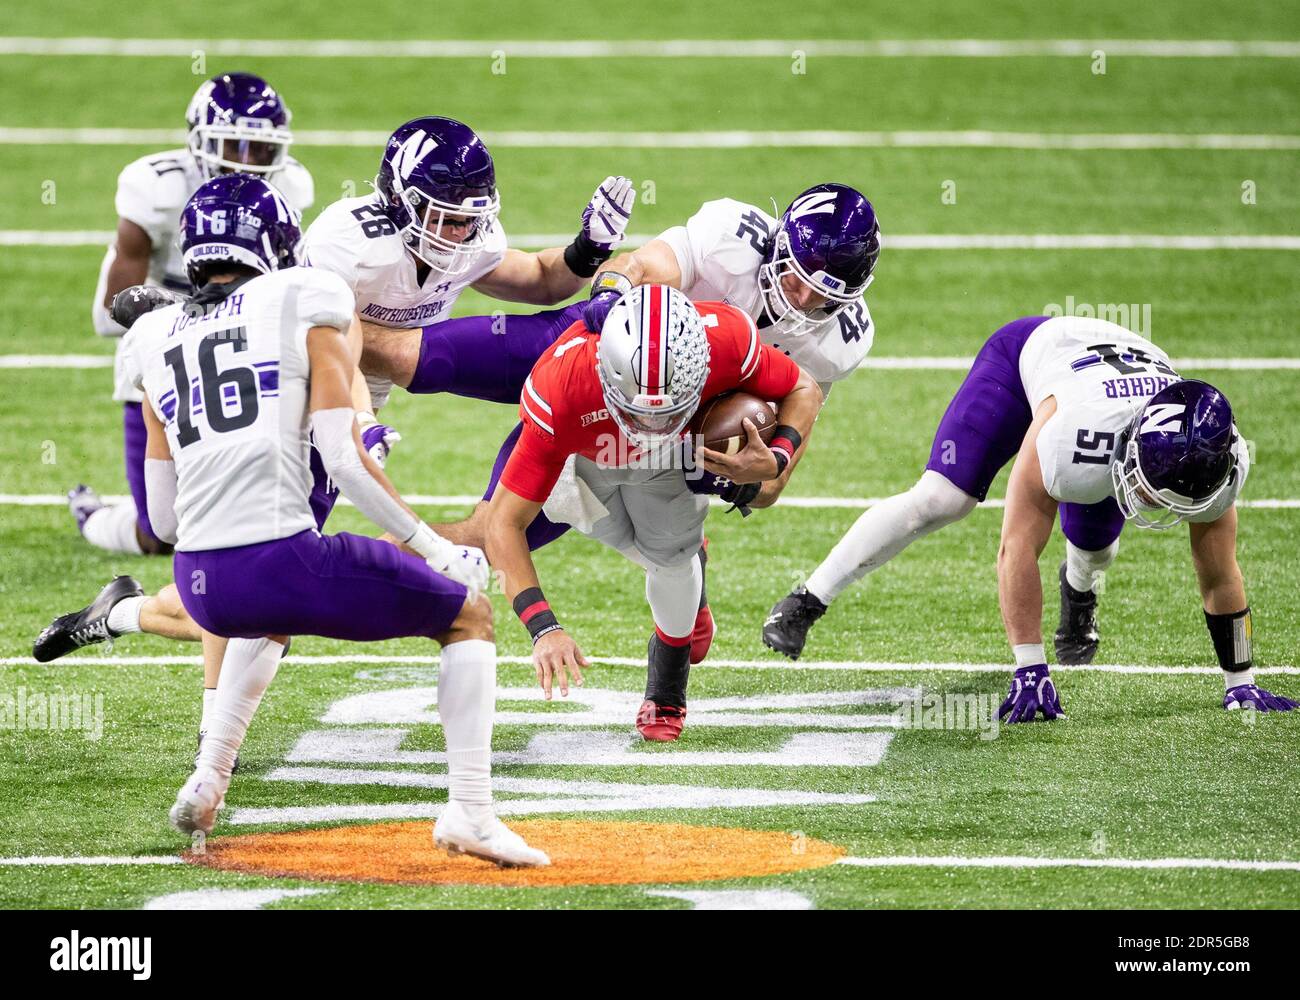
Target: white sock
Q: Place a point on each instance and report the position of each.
(467, 695)
(209, 699)
(1082, 567)
(674, 595)
(124, 616)
(113, 529)
(885, 530)
(248, 667)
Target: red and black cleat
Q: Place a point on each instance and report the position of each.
(702, 635)
(660, 723)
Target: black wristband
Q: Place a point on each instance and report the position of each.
(790, 434)
(584, 255)
(782, 460)
(1231, 635)
(536, 614)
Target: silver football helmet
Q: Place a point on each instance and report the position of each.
(653, 361)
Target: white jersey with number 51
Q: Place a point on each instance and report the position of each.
(1101, 375)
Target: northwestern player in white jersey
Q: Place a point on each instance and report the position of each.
(1105, 431)
(800, 278)
(429, 231)
(237, 122)
(234, 381)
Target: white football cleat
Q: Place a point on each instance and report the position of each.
(491, 840)
(199, 801)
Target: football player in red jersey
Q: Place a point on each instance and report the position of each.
(604, 418)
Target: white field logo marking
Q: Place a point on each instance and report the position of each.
(102, 954)
(369, 729)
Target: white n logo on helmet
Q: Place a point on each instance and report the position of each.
(1162, 417)
(817, 203)
(419, 145)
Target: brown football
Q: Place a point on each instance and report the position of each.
(718, 425)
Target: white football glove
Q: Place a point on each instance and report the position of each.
(463, 563)
(605, 219)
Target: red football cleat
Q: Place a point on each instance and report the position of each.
(660, 723)
(702, 635)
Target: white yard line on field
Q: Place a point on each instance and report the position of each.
(52, 860)
(672, 48)
(469, 500)
(904, 241)
(892, 364)
(1231, 864)
(720, 139)
(865, 666)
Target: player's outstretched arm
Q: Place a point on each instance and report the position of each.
(1026, 526)
(653, 264)
(130, 267)
(358, 475)
(1227, 616)
(548, 277)
(555, 655)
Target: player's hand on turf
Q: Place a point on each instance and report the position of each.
(1032, 691)
(464, 564)
(605, 219)
(556, 657)
(1250, 696)
(131, 303)
(754, 463)
(378, 440)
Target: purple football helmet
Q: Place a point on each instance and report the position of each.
(1179, 456)
(829, 240)
(437, 175)
(238, 124)
(238, 219)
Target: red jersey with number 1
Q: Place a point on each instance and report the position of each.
(563, 408)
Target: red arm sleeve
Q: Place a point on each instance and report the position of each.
(534, 465)
(774, 376)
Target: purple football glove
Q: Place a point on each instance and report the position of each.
(1250, 696)
(378, 440)
(598, 307)
(1032, 691)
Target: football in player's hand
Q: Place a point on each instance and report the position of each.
(718, 421)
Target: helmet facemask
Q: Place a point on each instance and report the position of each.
(428, 216)
(1145, 505)
(249, 146)
(784, 316)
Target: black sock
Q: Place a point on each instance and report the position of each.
(669, 670)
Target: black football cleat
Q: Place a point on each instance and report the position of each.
(786, 628)
(1077, 638)
(85, 627)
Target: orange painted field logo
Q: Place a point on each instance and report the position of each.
(582, 853)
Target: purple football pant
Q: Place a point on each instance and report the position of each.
(135, 437)
(487, 357)
(985, 425)
(542, 530)
(338, 586)
(324, 494)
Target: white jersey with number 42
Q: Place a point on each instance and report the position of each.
(719, 251)
(1101, 375)
(231, 389)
